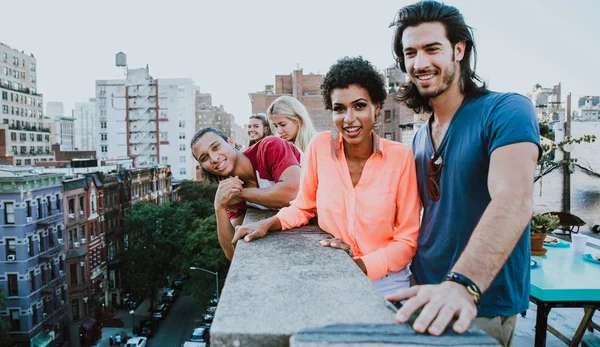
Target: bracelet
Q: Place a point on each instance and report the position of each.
(472, 288)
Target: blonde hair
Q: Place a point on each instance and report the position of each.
(296, 112)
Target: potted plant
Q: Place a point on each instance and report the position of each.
(541, 224)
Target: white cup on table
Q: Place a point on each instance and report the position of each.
(579, 242)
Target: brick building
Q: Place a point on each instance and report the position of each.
(306, 88)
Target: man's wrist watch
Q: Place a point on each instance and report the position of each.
(472, 288)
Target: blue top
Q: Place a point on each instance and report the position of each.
(478, 127)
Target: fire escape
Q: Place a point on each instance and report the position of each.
(142, 107)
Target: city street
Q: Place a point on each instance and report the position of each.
(177, 328)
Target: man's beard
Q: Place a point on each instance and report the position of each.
(445, 84)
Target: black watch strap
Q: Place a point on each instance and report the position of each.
(472, 288)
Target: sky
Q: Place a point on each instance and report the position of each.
(232, 48)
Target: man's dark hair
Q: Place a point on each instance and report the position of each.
(206, 175)
(356, 70)
(429, 11)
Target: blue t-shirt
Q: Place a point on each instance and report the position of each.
(479, 126)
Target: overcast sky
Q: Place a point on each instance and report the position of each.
(232, 48)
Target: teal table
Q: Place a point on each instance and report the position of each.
(563, 279)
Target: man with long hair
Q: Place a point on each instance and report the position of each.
(475, 162)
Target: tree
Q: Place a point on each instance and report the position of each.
(144, 263)
(169, 238)
(5, 340)
(547, 162)
(203, 250)
(195, 191)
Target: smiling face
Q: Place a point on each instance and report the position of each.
(286, 128)
(215, 154)
(431, 62)
(353, 113)
(256, 129)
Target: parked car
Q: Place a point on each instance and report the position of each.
(137, 342)
(160, 311)
(193, 344)
(148, 327)
(200, 335)
(170, 295)
(212, 310)
(177, 284)
(213, 301)
(207, 319)
(130, 302)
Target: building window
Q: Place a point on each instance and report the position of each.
(30, 250)
(104, 149)
(182, 124)
(182, 148)
(39, 205)
(102, 125)
(11, 249)
(13, 285)
(73, 274)
(75, 309)
(58, 201)
(81, 205)
(15, 317)
(388, 116)
(71, 206)
(48, 206)
(182, 159)
(28, 208)
(164, 160)
(182, 171)
(9, 212)
(103, 137)
(389, 136)
(32, 280)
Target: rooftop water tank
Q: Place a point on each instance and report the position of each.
(121, 59)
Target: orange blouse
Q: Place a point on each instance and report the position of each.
(378, 219)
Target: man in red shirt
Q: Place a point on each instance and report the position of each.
(266, 175)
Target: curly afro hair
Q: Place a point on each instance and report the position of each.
(356, 70)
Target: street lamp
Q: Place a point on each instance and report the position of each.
(210, 272)
(132, 313)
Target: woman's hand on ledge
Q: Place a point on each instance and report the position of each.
(337, 243)
(256, 230)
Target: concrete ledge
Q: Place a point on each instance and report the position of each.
(287, 283)
(383, 335)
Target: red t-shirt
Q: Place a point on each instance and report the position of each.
(270, 157)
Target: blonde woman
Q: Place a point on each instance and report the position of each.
(291, 121)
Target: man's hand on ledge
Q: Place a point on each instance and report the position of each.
(255, 230)
(441, 303)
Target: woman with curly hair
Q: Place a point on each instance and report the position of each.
(291, 121)
(362, 188)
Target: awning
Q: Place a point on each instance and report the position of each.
(89, 323)
(41, 339)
